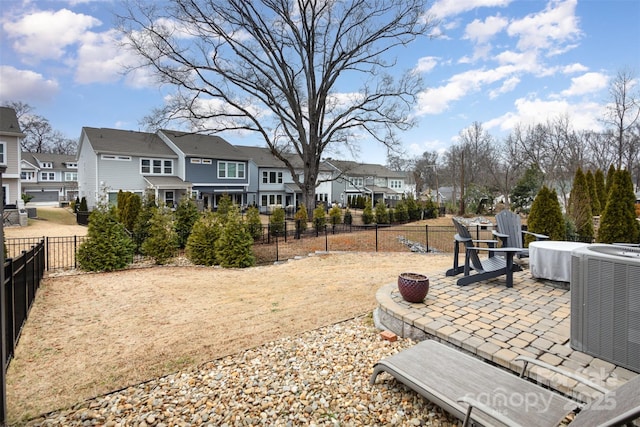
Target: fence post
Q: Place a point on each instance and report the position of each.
(75, 251)
(326, 239)
(277, 258)
(426, 232)
(48, 257)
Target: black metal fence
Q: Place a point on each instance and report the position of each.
(288, 241)
(22, 275)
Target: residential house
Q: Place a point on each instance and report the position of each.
(273, 179)
(110, 160)
(10, 137)
(212, 166)
(49, 178)
(374, 181)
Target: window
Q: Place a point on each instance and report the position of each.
(355, 182)
(395, 183)
(47, 165)
(47, 176)
(271, 177)
(207, 161)
(113, 157)
(72, 165)
(28, 176)
(3, 153)
(271, 199)
(169, 198)
(231, 170)
(196, 161)
(156, 166)
(71, 176)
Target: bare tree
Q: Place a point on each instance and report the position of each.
(425, 171)
(622, 113)
(40, 137)
(275, 67)
(508, 162)
(599, 152)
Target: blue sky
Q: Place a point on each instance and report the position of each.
(498, 62)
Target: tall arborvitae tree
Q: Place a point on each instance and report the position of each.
(609, 182)
(277, 222)
(186, 215)
(546, 216)
(129, 207)
(593, 194)
(600, 189)
(580, 207)
(413, 208)
(161, 243)
(141, 226)
(108, 247)
(618, 221)
(234, 247)
(200, 248)
(254, 223)
(225, 205)
(381, 213)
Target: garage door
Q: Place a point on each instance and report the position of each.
(43, 196)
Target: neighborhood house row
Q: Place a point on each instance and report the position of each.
(174, 164)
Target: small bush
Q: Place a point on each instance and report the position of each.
(382, 214)
(108, 246)
(401, 212)
(348, 217)
(301, 217)
(367, 215)
(319, 218)
(413, 209)
(277, 222)
(335, 215)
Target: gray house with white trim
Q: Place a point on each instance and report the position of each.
(371, 180)
(48, 177)
(10, 136)
(110, 160)
(212, 166)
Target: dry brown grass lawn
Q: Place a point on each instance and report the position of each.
(89, 334)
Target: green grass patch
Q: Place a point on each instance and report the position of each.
(57, 215)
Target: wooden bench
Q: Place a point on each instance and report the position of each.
(471, 389)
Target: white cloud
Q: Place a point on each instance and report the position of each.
(426, 64)
(507, 86)
(437, 100)
(25, 85)
(550, 30)
(46, 35)
(481, 32)
(574, 68)
(100, 59)
(586, 83)
(583, 116)
(445, 8)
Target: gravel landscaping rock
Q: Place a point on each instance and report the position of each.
(318, 378)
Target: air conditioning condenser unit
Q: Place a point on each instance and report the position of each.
(605, 303)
